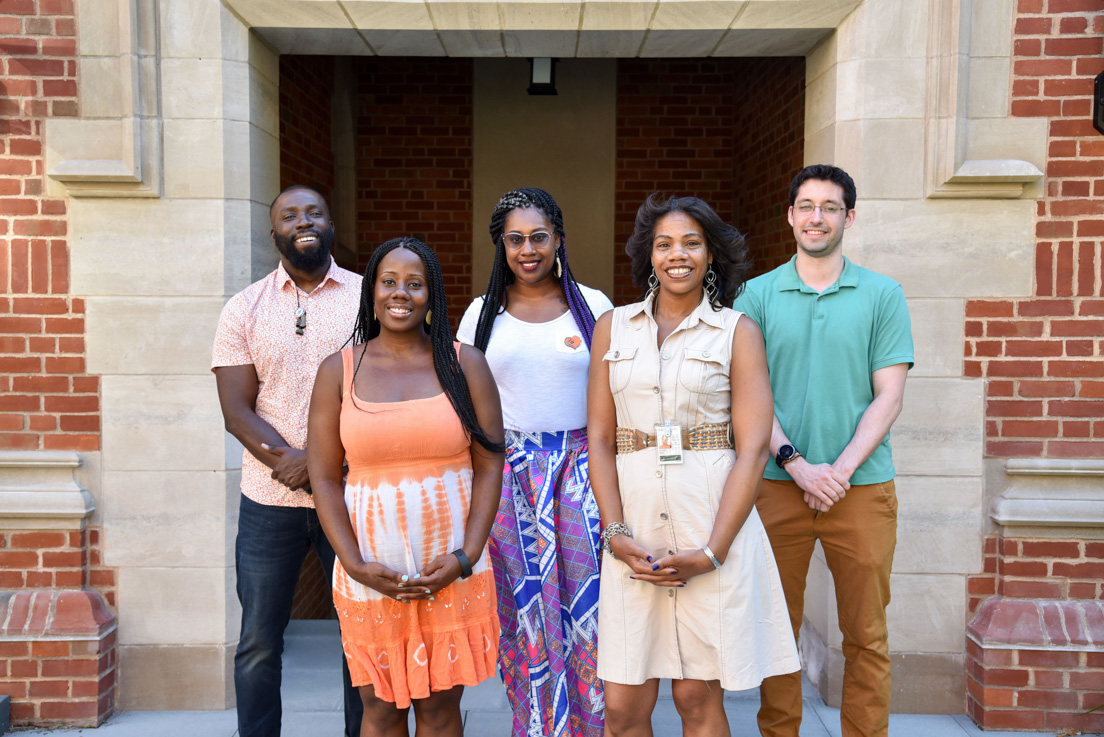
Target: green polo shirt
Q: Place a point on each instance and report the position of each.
(821, 352)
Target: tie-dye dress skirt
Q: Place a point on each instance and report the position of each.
(408, 494)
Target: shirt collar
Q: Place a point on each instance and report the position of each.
(335, 274)
(704, 312)
(788, 280)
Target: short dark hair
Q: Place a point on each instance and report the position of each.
(724, 242)
(825, 173)
(293, 187)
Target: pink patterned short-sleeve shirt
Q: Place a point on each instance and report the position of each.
(257, 327)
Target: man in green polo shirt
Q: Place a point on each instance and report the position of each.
(839, 346)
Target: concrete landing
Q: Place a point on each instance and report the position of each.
(312, 705)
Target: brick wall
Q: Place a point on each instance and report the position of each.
(47, 400)
(414, 161)
(306, 145)
(769, 147)
(675, 136)
(1042, 354)
(730, 131)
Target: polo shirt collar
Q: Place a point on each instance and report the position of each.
(788, 280)
(640, 312)
(335, 274)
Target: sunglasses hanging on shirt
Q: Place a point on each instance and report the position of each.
(300, 316)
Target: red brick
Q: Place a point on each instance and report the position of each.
(1075, 6)
(978, 308)
(1086, 680)
(1048, 658)
(1090, 228)
(1013, 408)
(78, 710)
(1024, 568)
(1016, 589)
(1017, 368)
(50, 649)
(1047, 699)
(37, 540)
(80, 423)
(1074, 25)
(1079, 570)
(71, 403)
(1033, 348)
(1076, 369)
(1094, 550)
(1075, 449)
(1052, 388)
(1029, 429)
(1037, 109)
(1032, 26)
(1048, 678)
(1067, 87)
(1076, 408)
(1073, 46)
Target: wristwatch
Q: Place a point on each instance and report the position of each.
(786, 454)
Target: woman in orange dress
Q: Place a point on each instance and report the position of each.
(417, 418)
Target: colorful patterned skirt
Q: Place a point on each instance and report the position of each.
(544, 547)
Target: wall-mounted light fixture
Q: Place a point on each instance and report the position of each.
(1098, 104)
(542, 76)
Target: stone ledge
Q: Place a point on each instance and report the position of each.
(1019, 624)
(54, 615)
(1050, 493)
(39, 492)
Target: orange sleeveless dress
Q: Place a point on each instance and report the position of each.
(408, 495)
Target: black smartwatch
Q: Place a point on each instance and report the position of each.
(465, 563)
(786, 454)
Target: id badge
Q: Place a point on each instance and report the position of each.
(668, 443)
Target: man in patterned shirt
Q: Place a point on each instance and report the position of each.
(271, 338)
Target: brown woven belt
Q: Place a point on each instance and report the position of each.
(708, 436)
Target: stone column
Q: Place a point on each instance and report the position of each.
(168, 169)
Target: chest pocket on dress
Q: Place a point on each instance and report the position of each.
(702, 370)
(620, 362)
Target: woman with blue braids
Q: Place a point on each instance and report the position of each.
(535, 324)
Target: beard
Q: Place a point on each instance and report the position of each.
(310, 259)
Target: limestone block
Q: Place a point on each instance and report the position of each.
(389, 15)
(943, 248)
(939, 431)
(770, 41)
(263, 169)
(476, 44)
(926, 613)
(263, 255)
(937, 337)
(299, 14)
(821, 101)
(174, 519)
(881, 88)
(541, 16)
(235, 36)
(1022, 139)
(163, 678)
(90, 477)
(194, 157)
(151, 335)
(39, 491)
(239, 243)
(264, 59)
(789, 14)
(823, 57)
(609, 44)
(264, 102)
(193, 89)
(404, 43)
(191, 29)
(820, 146)
(939, 523)
(132, 247)
(991, 29)
(460, 15)
(988, 94)
(99, 32)
(539, 43)
(156, 423)
(336, 41)
(680, 44)
(885, 29)
(103, 93)
(897, 141)
(695, 15)
(617, 16)
(177, 606)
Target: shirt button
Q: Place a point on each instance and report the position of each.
(671, 594)
(670, 552)
(617, 354)
(666, 356)
(659, 474)
(655, 390)
(663, 515)
(705, 354)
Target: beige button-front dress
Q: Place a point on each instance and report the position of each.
(731, 624)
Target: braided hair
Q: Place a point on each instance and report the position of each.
(494, 300)
(446, 364)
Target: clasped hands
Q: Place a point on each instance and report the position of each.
(670, 570)
(441, 571)
(822, 483)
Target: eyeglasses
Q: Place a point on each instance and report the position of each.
(806, 208)
(514, 240)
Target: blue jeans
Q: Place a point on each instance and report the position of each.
(271, 546)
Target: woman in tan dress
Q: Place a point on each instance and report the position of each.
(689, 587)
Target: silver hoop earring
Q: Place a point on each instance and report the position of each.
(711, 285)
(653, 282)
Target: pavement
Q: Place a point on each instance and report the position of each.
(312, 705)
